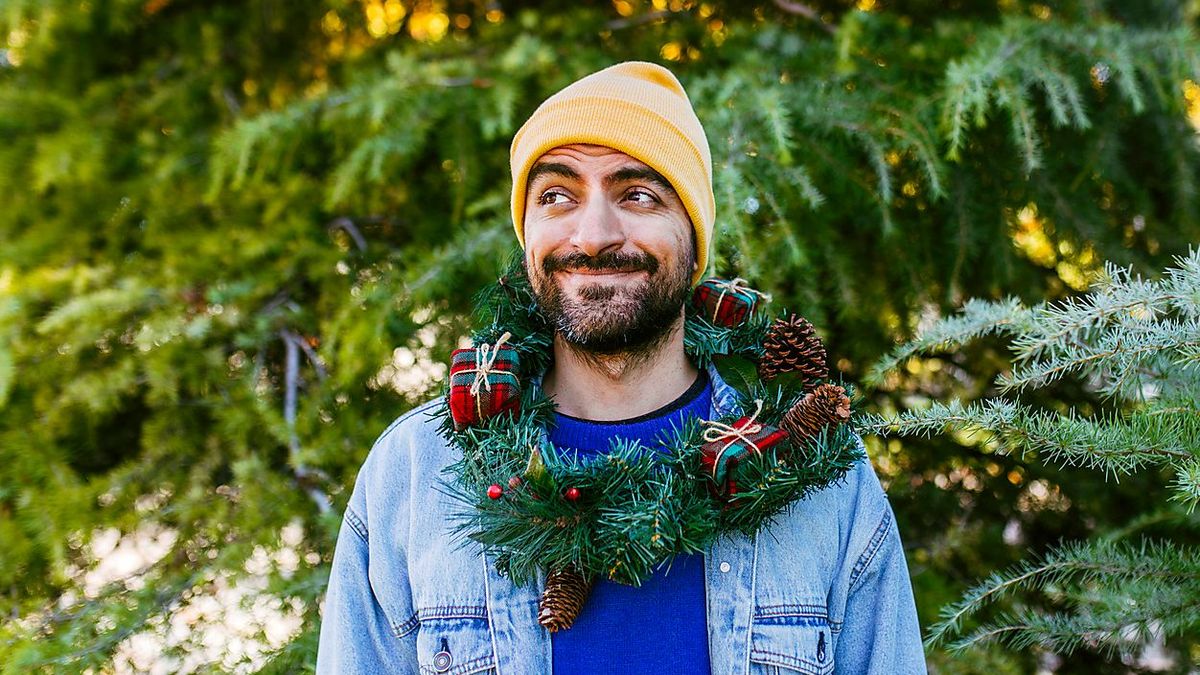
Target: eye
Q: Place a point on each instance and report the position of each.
(551, 198)
(641, 197)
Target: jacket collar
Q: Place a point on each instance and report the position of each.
(725, 399)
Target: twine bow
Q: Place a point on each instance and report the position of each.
(484, 363)
(737, 285)
(744, 432)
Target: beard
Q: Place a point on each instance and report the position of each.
(611, 320)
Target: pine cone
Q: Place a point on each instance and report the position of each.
(792, 345)
(825, 406)
(566, 591)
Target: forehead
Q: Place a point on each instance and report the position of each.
(587, 163)
(587, 158)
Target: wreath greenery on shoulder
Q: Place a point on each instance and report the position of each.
(621, 514)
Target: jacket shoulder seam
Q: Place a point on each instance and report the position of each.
(868, 556)
(356, 523)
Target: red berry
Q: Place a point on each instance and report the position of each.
(495, 491)
(572, 494)
(514, 482)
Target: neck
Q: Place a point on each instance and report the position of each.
(608, 387)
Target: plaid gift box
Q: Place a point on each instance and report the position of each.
(483, 382)
(726, 446)
(725, 303)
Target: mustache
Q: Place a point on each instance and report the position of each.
(612, 261)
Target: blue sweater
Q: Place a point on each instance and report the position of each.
(661, 626)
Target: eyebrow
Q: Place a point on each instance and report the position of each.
(623, 175)
(551, 169)
(638, 173)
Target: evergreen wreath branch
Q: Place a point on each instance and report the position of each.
(640, 506)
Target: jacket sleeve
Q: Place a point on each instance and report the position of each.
(880, 633)
(356, 635)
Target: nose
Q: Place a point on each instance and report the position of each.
(598, 228)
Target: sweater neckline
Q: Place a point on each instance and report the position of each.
(682, 401)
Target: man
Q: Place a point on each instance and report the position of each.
(613, 203)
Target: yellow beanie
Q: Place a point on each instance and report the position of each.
(639, 109)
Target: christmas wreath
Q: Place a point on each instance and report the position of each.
(620, 515)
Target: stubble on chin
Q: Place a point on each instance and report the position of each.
(600, 317)
(610, 320)
(596, 293)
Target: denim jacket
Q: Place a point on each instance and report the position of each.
(823, 589)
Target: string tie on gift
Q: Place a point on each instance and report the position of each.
(484, 364)
(737, 285)
(743, 432)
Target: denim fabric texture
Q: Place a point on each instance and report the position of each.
(824, 589)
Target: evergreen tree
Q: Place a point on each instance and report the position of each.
(240, 238)
(1137, 343)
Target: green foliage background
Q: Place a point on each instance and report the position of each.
(196, 195)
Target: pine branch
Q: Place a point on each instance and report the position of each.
(1186, 484)
(1163, 569)
(1122, 631)
(976, 319)
(1116, 445)
(1118, 356)
(1130, 338)
(1008, 62)
(1116, 296)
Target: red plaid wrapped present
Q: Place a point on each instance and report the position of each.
(726, 303)
(483, 382)
(725, 446)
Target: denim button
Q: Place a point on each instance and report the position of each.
(725, 567)
(443, 659)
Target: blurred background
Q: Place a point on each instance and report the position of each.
(238, 238)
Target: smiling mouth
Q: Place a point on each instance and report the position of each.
(583, 271)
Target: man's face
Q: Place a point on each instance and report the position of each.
(608, 248)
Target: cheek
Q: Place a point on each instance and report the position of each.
(546, 240)
(674, 243)
(686, 243)
(542, 236)
(539, 244)
(534, 243)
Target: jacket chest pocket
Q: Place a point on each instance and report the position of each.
(791, 646)
(455, 646)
